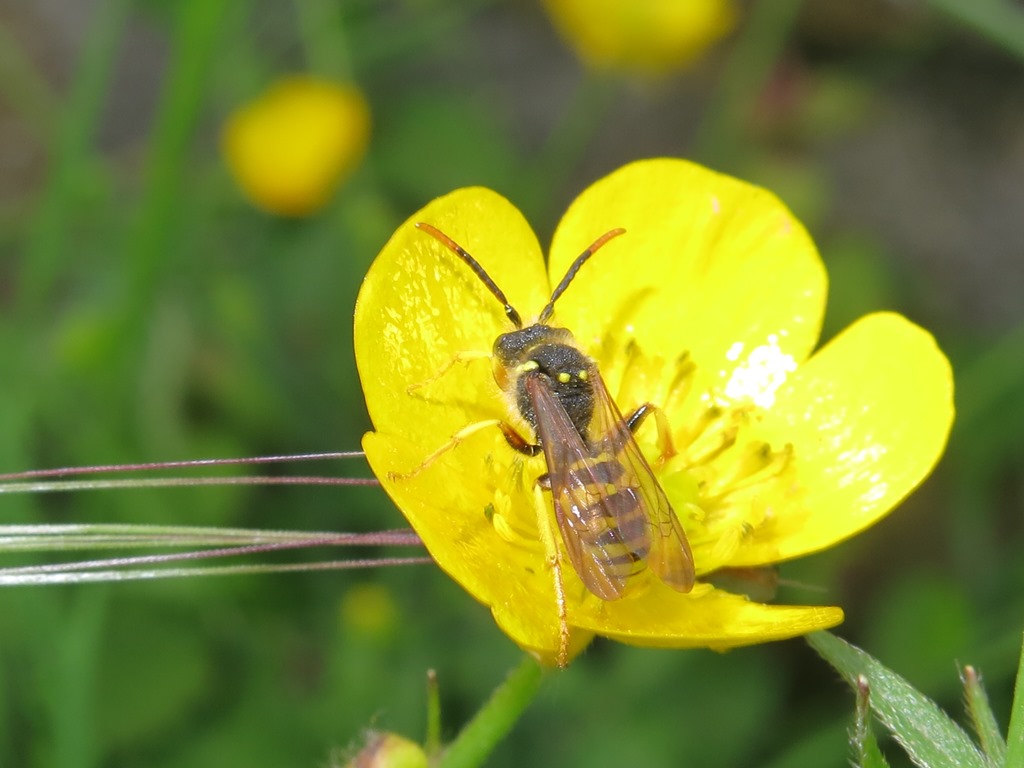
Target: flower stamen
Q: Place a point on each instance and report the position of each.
(759, 467)
(681, 383)
(513, 528)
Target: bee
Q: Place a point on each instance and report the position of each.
(614, 518)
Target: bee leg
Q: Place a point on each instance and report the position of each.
(517, 441)
(453, 441)
(457, 359)
(547, 537)
(666, 448)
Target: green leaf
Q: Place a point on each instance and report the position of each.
(982, 719)
(928, 735)
(866, 753)
(1015, 739)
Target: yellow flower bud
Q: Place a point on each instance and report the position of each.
(290, 148)
(647, 37)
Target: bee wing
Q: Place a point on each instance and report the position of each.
(669, 557)
(579, 489)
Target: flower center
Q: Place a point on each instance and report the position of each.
(723, 481)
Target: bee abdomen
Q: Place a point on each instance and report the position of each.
(617, 523)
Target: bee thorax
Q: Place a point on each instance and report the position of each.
(567, 371)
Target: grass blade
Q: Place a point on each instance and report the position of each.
(200, 544)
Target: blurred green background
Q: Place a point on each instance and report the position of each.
(148, 312)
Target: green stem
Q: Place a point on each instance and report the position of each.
(1001, 22)
(490, 725)
(196, 40)
(432, 743)
(73, 682)
(324, 38)
(720, 140)
(48, 232)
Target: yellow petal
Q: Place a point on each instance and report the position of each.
(868, 416)
(534, 633)
(452, 519)
(420, 306)
(708, 264)
(451, 506)
(708, 618)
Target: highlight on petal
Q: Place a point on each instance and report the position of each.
(647, 37)
(290, 148)
(868, 417)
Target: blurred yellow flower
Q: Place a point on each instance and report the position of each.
(709, 306)
(647, 37)
(369, 609)
(290, 148)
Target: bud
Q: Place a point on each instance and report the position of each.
(646, 37)
(388, 750)
(290, 148)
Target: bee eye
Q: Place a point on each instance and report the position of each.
(582, 375)
(564, 377)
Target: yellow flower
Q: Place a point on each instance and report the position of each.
(708, 306)
(290, 148)
(648, 37)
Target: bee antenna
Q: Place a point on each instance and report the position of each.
(574, 268)
(461, 252)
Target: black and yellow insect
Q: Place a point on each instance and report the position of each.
(614, 517)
